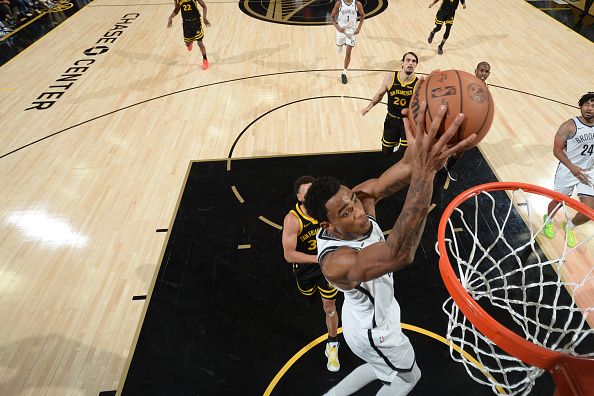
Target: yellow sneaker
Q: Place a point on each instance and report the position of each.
(569, 235)
(332, 355)
(548, 229)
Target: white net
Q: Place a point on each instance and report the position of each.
(493, 248)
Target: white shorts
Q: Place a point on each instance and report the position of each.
(566, 182)
(386, 348)
(347, 38)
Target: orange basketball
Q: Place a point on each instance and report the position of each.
(462, 92)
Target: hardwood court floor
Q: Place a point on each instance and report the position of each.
(85, 183)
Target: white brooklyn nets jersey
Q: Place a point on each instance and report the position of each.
(580, 148)
(580, 151)
(371, 314)
(373, 300)
(347, 16)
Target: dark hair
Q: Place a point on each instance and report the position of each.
(301, 180)
(320, 192)
(483, 63)
(410, 53)
(586, 98)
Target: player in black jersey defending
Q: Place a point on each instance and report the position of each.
(400, 86)
(192, 24)
(445, 15)
(300, 249)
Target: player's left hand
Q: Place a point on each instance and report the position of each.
(429, 151)
(464, 6)
(169, 23)
(206, 22)
(365, 110)
(580, 174)
(357, 31)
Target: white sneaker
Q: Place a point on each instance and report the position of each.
(332, 355)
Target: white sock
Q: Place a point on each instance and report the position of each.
(570, 224)
(333, 344)
(344, 71)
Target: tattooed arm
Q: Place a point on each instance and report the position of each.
(396, 177)
(347, 266)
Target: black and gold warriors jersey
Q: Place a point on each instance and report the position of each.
(308, 228)
(399, 95)
(450, 5)
(189, 9)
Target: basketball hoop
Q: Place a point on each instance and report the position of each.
(526, 291)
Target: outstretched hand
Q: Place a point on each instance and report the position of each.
(169, 22)
(429, 153)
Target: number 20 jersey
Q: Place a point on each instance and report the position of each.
(399, 95)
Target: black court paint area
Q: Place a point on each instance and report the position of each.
(225, 315)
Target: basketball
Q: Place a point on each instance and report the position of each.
(462, 92)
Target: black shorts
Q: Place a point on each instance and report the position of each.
(193, 30)
(310, 279)
(446, 17)
(394, 133)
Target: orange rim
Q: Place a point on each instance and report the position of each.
(573, 375)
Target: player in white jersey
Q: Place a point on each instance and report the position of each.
(344, 19)
(355, 257)
(574, 148)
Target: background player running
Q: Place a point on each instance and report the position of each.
(574, 148)
(445, 15)
(344, 19)
(192, 24)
